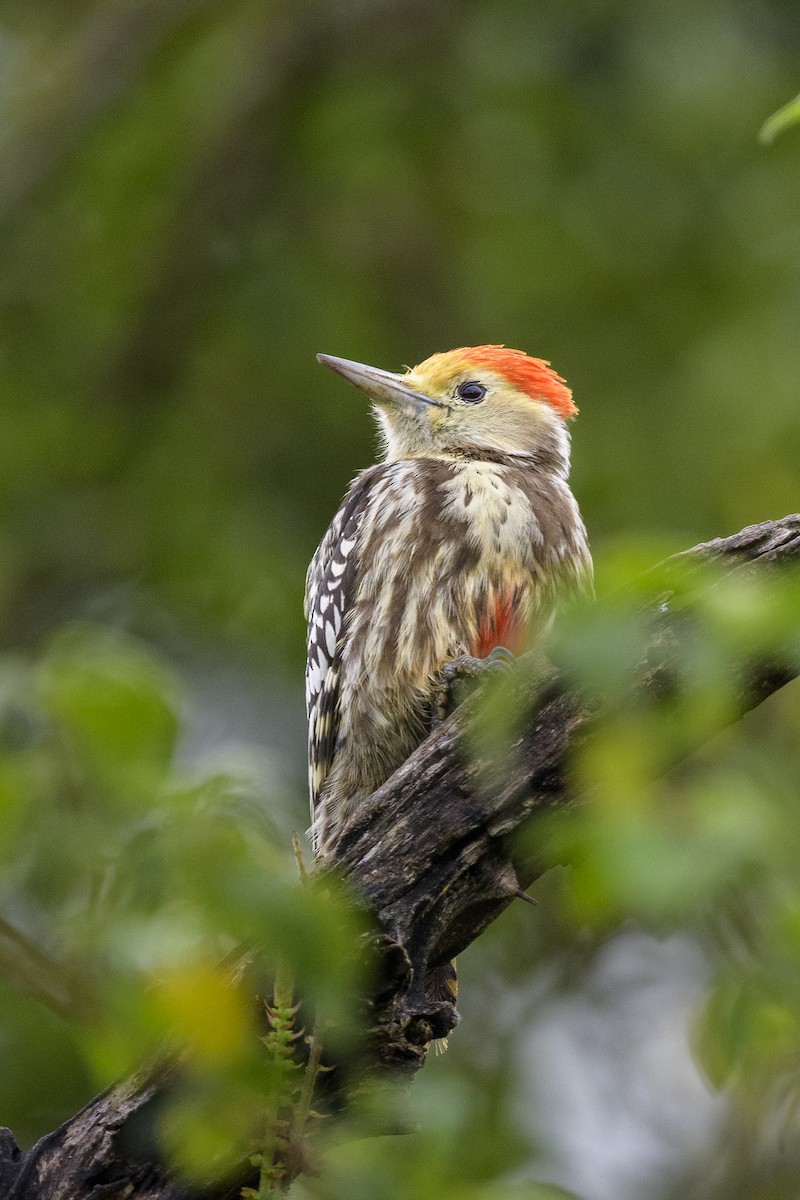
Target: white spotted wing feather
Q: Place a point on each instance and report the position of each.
(330, 587)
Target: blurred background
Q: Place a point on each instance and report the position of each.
(195, 198)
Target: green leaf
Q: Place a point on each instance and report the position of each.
(780, 121)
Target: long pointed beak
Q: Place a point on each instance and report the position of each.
(381, 386)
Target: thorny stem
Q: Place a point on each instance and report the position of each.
(313, 1066)
(282, 995)
(283, 1157)
(280, 1041)
(303, 1107)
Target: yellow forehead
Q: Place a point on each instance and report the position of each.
(440, 370)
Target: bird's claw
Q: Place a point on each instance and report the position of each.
(499, 657)
(457, 677)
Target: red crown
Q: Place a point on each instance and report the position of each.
(534, 376)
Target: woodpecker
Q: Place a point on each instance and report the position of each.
(461, 540)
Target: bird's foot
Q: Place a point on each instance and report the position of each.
(459, 677)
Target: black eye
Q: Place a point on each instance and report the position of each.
(473, 392)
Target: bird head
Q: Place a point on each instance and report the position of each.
(479, 402)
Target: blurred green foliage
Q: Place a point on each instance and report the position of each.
(195, 198)
(781, 120)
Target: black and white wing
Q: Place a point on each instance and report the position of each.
(330, 591)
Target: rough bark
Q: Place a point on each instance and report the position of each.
(433, 850)
(436, 856)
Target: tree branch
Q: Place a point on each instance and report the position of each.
(432, 850)
(435, 856)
